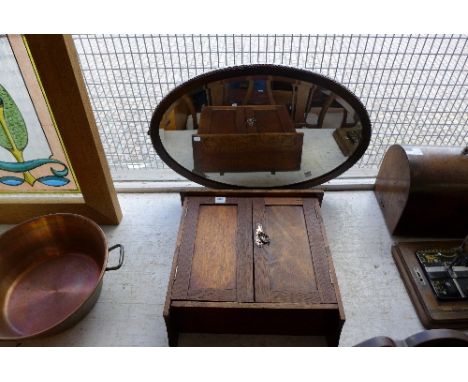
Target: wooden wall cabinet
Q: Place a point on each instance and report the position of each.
(222, 282)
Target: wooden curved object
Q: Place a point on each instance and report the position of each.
(423, 190)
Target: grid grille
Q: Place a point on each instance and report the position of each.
(413, 86)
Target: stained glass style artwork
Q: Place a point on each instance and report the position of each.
(32, 156)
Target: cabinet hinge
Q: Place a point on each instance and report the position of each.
(175, 273)
(331, 277)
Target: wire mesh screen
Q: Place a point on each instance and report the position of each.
(414, 87)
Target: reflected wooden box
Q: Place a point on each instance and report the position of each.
(227, 142)
(222, 282)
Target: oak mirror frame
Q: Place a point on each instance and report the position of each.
(90, 189)
(260, 126)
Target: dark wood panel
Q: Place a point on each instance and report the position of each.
(284, 270)
(320, 250)
(267, 122)
(259, 320)
(283, 201)
(256, 305)
(247, 152)
(172, 333)
(223, 122)
(291, 267)
(214, 258)
(215, 255)
(226, 142)
(205, 122)
(188, 233)
(244, 245)
(233, 119)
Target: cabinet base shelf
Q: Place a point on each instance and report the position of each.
(253, 318)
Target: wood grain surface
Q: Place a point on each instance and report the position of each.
(220, 268)
(226, 142)
(283, 269)
(422, 191)
(214, 256)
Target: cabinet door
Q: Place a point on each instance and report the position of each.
(215, 256)
(293, 267)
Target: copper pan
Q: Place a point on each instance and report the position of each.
(51, 271)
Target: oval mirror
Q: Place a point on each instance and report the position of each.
(260, 126)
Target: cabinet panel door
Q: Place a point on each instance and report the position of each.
(215, 257)
(293, 267)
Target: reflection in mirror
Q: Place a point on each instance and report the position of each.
(260, 130)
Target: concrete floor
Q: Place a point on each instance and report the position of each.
(129, 310)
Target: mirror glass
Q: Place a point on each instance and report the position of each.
(281, 127)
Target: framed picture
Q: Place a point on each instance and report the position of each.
(51, 157)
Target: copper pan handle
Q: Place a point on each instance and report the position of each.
(121, 257)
